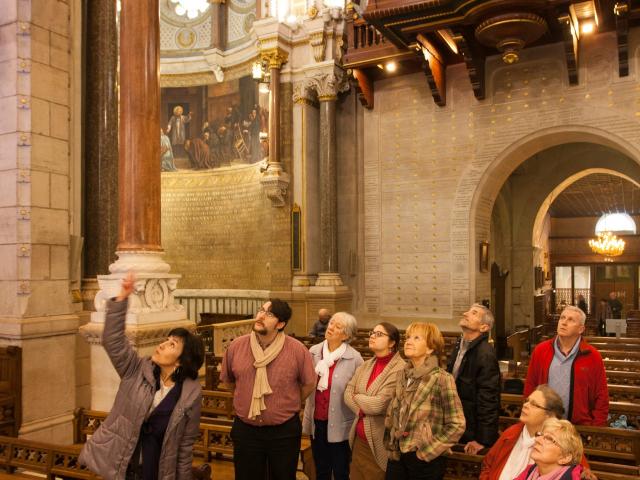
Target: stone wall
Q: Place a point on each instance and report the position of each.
(431, 175)
(219, 230)
(35, 211)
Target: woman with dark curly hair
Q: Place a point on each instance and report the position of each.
(150, 431)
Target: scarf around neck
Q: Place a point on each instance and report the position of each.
(262, 358)
(410, 378)
(327, 361)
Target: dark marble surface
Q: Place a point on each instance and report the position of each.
(100, 137)
(328, 187)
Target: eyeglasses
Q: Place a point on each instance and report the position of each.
(536, 405)
(547, 439)
(377, 334)
(266, 313)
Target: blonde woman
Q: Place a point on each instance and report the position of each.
(557, 453)
(368, 394)
(425, 417)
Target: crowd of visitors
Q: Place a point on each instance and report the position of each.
(389, 418)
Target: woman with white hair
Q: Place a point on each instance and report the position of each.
(557, 453)
(326, 417)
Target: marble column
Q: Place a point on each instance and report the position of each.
(275, 180)
(327, 87)
(101, 146)
(152, 309)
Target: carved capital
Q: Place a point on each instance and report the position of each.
(274, 57)
(303, 93)
(329, 85)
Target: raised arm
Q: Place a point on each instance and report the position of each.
(122, 355)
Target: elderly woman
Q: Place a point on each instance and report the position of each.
(511, 454)
(154, 421)
(556, 453)
(425, 417)
(368, 395)
(326, 417)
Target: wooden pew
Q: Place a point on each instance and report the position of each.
(10, 390)
(512, 404)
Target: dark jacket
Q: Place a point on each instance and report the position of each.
(478, 385)
(110, 448)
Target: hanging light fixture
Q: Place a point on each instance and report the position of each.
(190, 8)
(607, 243)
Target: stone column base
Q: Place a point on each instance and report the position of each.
(302, 282)
(152, 314)
(330, 282)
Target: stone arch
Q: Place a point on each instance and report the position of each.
(477, 191)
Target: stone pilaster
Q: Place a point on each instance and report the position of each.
(35, 304)
(305, 182)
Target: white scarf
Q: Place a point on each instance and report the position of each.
(327, 361)
(520, 456)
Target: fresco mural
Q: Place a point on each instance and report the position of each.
(212, 126)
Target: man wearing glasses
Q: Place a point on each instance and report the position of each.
(574, 369)
(474, 365)
(271, 374)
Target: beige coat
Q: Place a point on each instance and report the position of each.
(373, 402)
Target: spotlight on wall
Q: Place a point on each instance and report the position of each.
(390, 67)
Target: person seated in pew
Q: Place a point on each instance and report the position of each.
(511, 454)
(425, 417)
(155, 419)
(326, 416)
(320, 326)
(368, 394)
(474, 365)
(574, 369)
(557, 453)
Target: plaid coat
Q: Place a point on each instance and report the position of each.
(435, 419)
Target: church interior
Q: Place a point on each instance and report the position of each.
(398, 160)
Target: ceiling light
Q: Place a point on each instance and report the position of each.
(587, 28)
(390, 67)
(607, 244)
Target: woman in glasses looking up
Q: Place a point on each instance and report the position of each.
(511, 454)
(368, 395)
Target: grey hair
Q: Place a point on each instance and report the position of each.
(349, 324)
(487, 316)
(581, 315)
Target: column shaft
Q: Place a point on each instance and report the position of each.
(139, 176)
(274, 115)
(101, 138)
(328, 186)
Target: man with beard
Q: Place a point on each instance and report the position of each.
(271, 374)
(474, 365)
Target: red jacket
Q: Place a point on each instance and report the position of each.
(589, 401)
(496, 458)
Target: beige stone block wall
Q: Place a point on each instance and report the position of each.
(431, 174)
(35, 307)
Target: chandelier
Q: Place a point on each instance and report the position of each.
(190, 8)
(607, 244)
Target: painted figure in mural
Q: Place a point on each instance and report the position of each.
(198, 153)
(177, 129)
(254, 136)
(166, 153)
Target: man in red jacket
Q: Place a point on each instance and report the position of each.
(574, 369)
